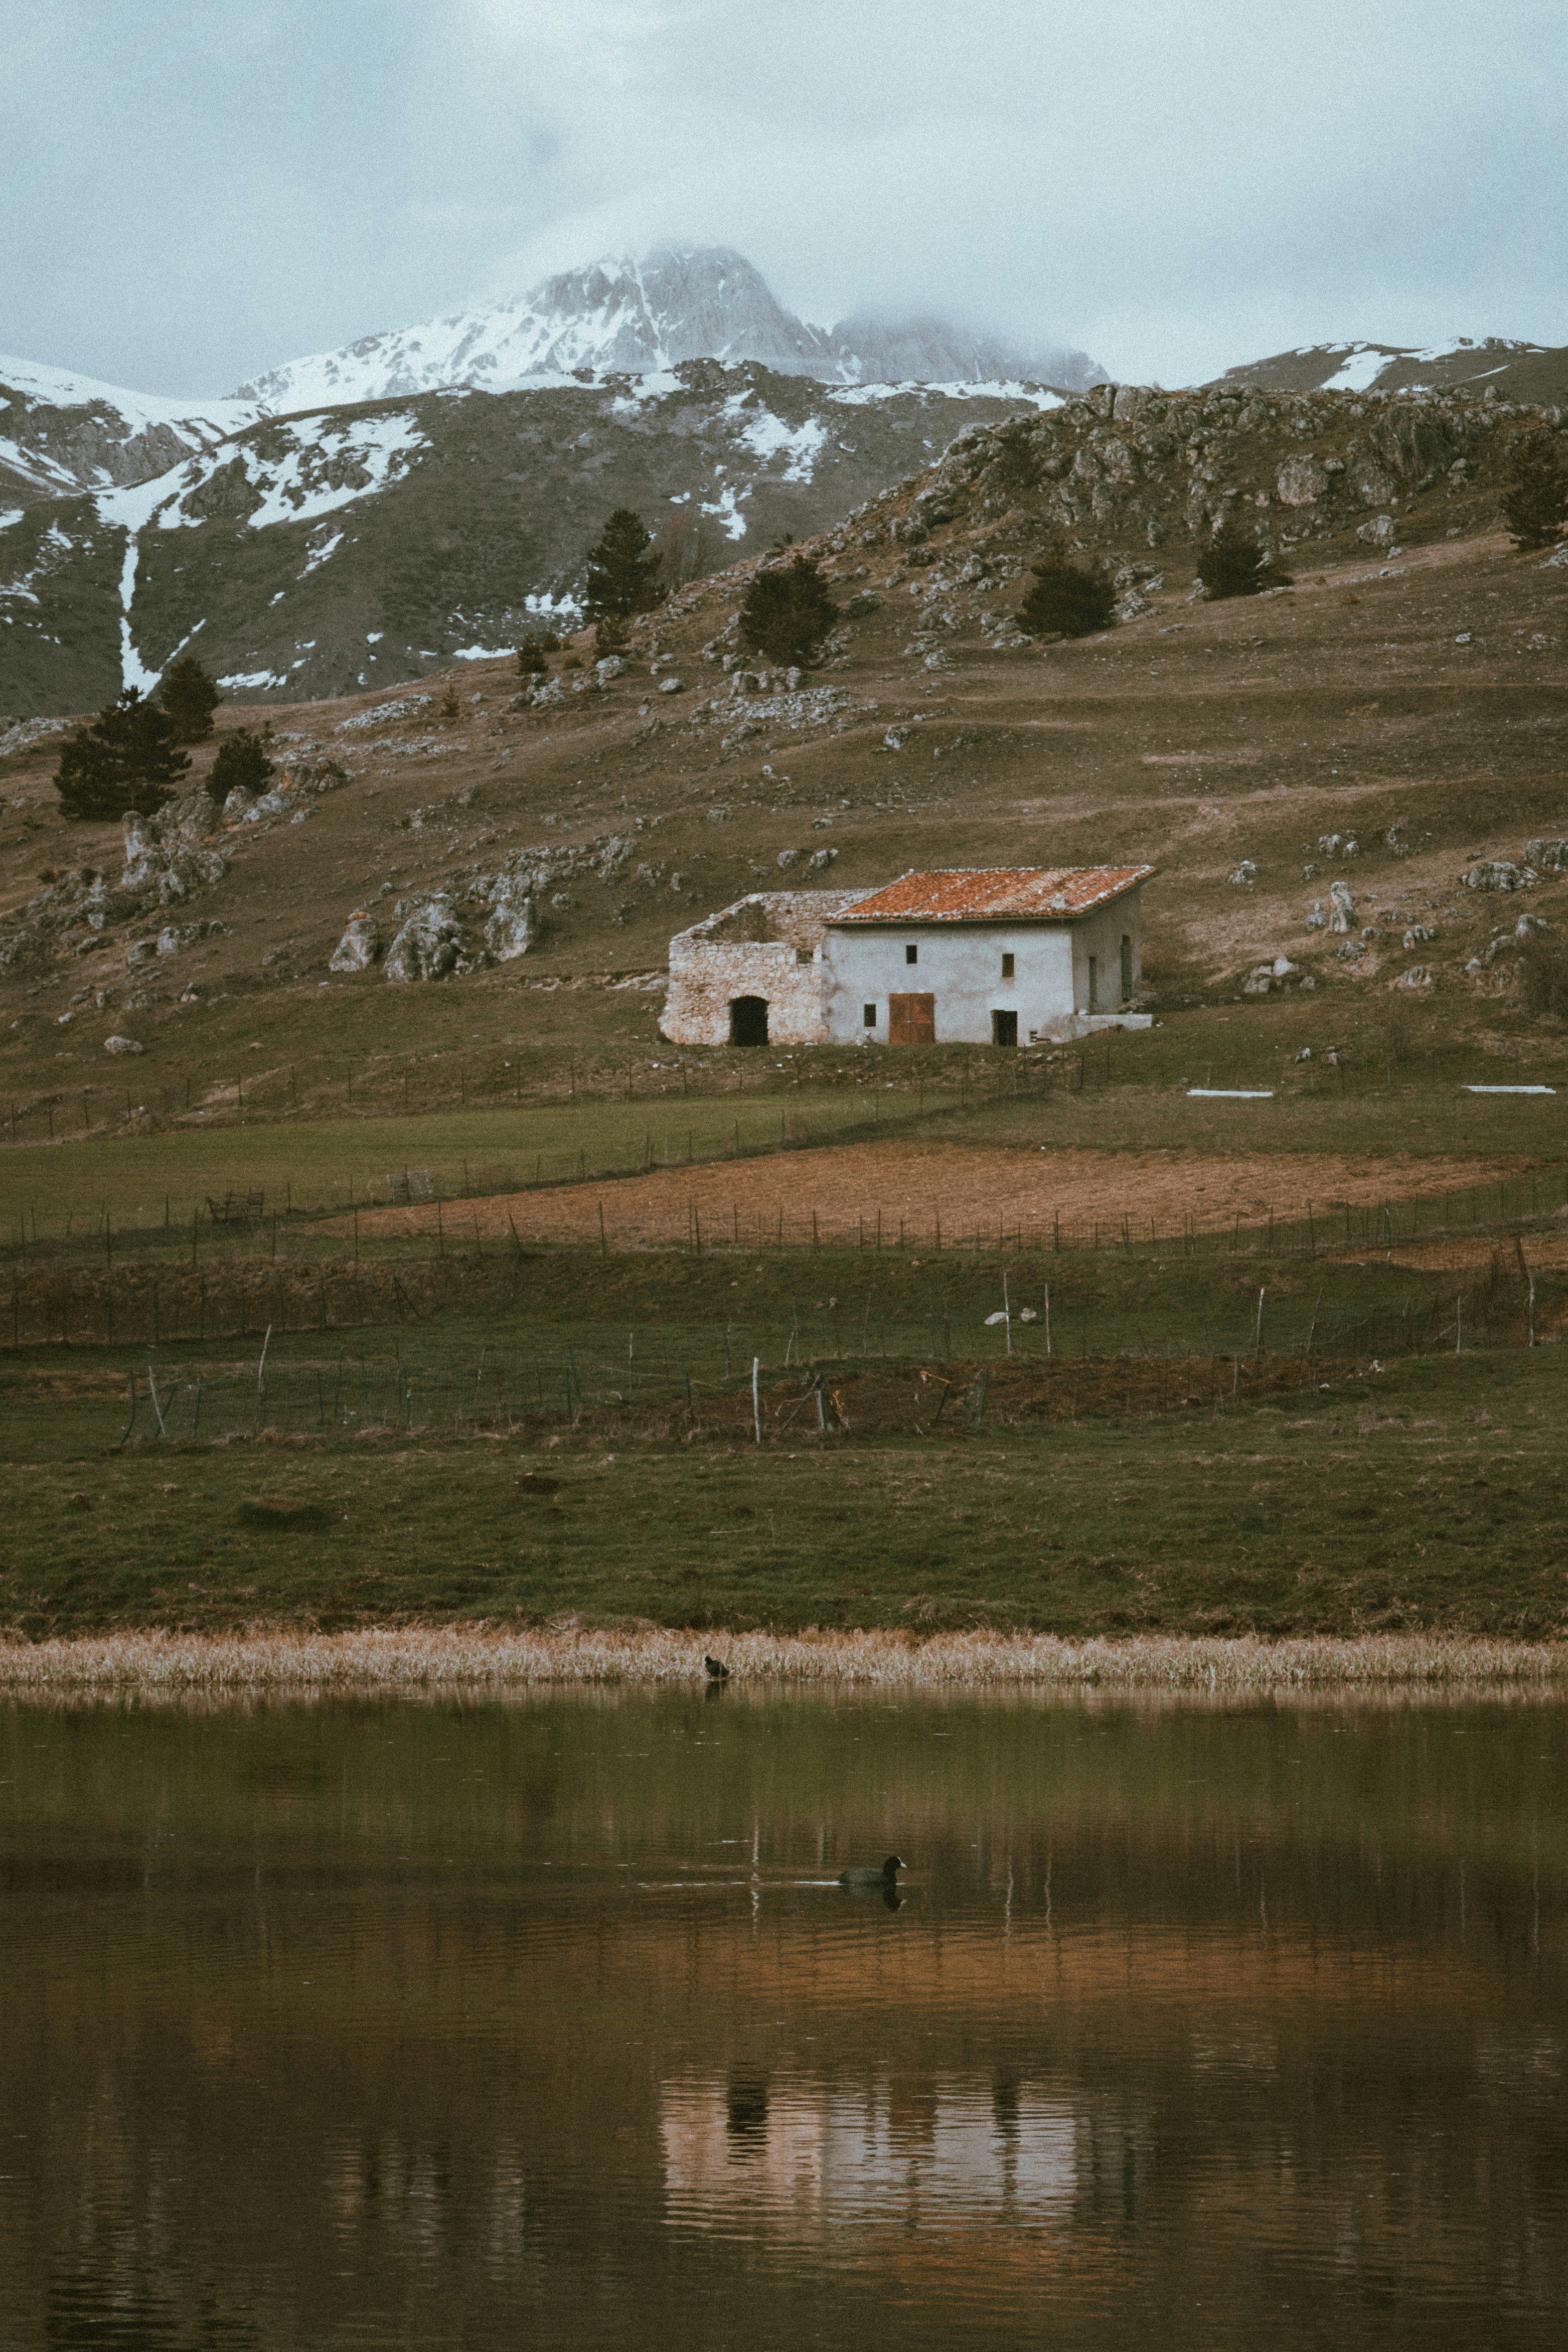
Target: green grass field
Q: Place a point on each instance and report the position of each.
(1430, 1496)
(325, 1163)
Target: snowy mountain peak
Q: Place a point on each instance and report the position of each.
(625, 317)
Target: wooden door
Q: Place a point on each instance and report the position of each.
(911, 1021)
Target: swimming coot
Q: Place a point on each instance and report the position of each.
(718, 1672)
(873, 1881)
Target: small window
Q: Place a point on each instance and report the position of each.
(1006, 967)
(1126, 966)
(911, 955)
(802, 955)
(868, 1012)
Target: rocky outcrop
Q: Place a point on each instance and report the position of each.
(166, 864)
(1132, 462)
(433, 942)
(360, 946)
(165, 859)
(513, 924)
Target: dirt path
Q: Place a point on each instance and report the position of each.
(966, 1190)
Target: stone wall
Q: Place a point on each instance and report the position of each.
(767, 946)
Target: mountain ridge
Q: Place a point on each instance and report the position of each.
(621, 315)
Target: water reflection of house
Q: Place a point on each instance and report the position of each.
(796, 2157)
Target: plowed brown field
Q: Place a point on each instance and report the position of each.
(962, 1191)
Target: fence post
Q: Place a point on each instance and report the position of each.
(756, 1401)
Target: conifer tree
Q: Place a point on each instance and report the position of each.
(786, 612)
(1233, 565)
(190, 697)
(1535, 503)
(241, 766)
(532, 661)
(125, 762)
(622, 577)
(1065, 599)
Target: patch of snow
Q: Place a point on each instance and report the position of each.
(131, 510)
(656, 385)
(725, 510)
(319, 554)
(1360, 368)
(8, 515)
(769, 437)
(255, 677)
(483, 653)
(873, 395)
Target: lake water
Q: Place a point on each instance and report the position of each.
(543, 2023)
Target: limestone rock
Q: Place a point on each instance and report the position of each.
(513, 923)
(1495, 874)
(433, 944)
(1342, 914)
(161, 864)
(1418, 976)
(122, 1045)
(1245, 875)
(1547, 857)
(359, 947)
(1301, 482)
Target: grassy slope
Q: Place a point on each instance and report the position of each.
(1194, 737)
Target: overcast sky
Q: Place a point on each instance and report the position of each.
(197, 190)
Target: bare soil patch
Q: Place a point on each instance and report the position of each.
(957, 1193)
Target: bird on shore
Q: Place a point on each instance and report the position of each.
(873, 1880)
(718, 1672)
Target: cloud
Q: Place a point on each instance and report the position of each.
(1173, 187)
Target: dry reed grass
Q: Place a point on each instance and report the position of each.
(420, 1660)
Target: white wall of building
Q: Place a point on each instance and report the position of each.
(961, 966)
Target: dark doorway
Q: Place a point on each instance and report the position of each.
(747, 1021)
(1003, 1028)
(911, 1020)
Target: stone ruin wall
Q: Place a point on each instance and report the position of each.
(753, 948)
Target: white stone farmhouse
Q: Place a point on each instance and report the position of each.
(998, 956)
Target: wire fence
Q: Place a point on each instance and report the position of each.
(501, 1389)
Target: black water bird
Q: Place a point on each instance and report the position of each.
(869, 1881)
(718, 1672)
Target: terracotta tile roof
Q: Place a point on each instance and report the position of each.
(960, 894)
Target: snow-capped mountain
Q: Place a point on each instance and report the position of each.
(643, 318)
(334, 548)
(1517, 371)
(61, 432)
